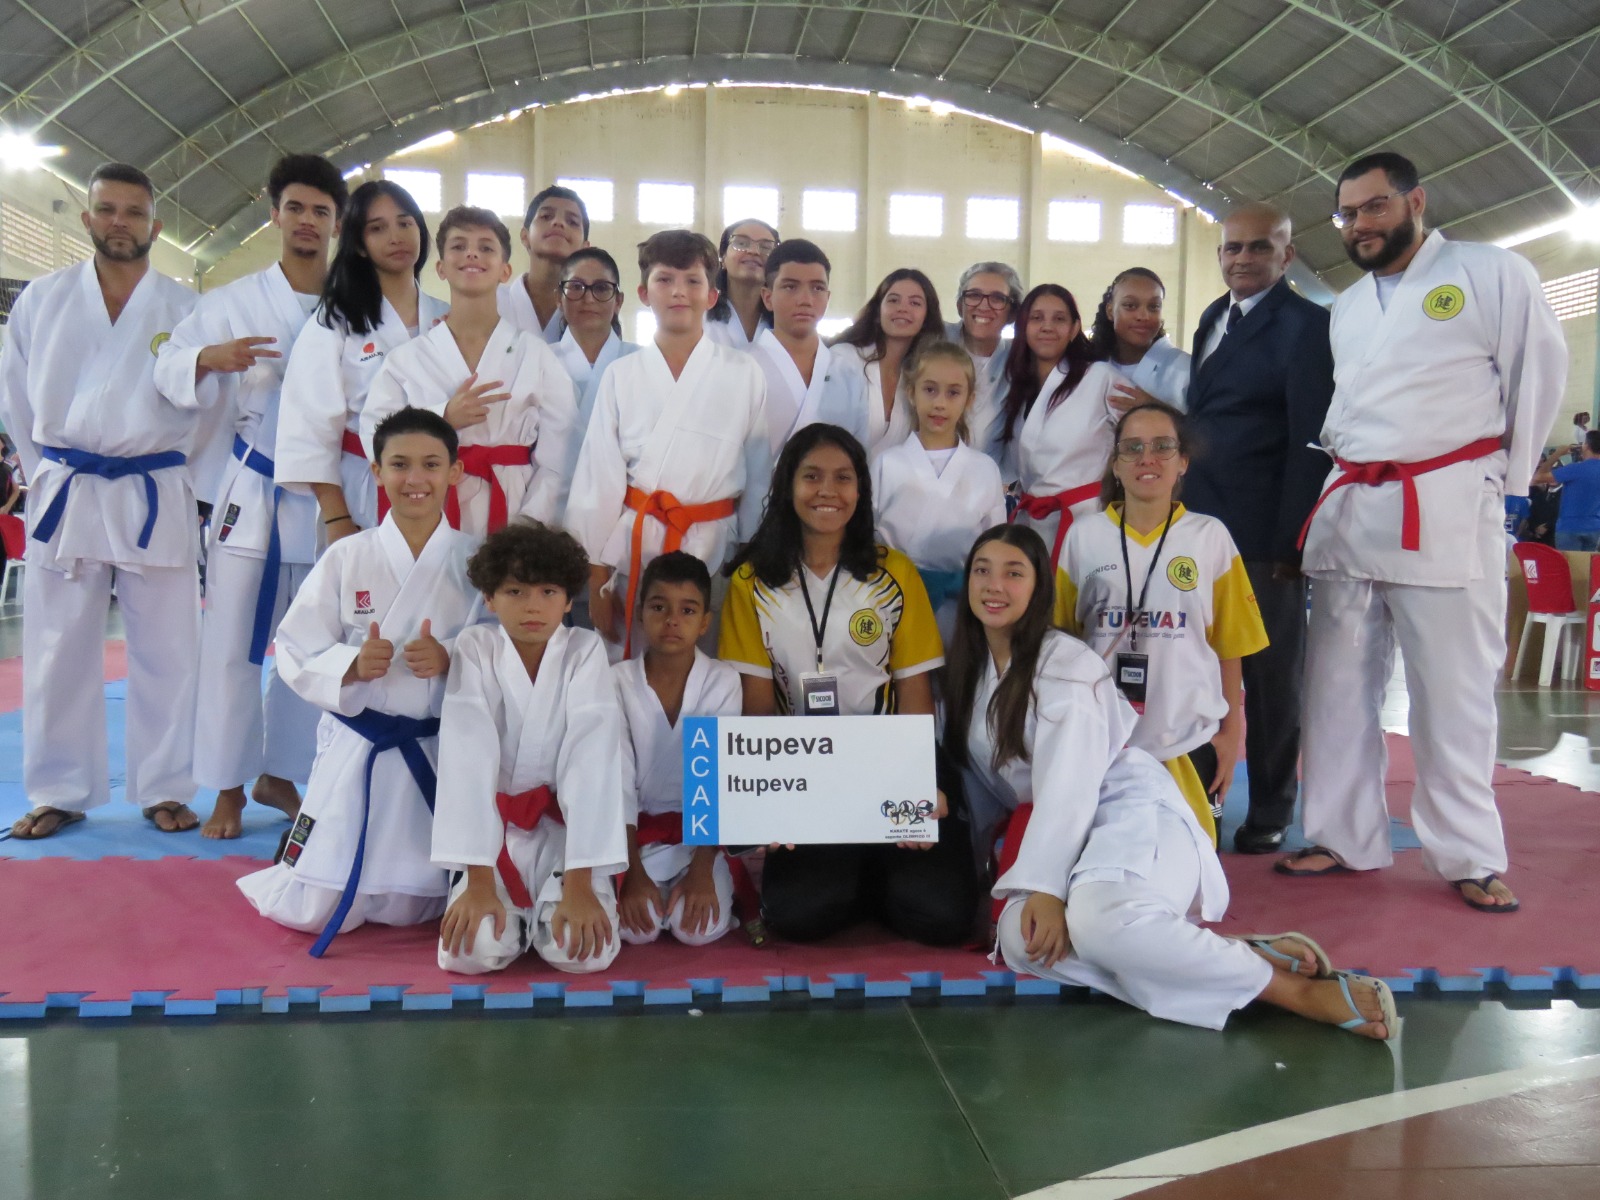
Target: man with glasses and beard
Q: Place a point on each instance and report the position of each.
(112, 501)
(1449, 367)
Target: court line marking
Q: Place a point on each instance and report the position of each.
(1243, 1145)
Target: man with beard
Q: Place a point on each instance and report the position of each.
(1448, 372)
(112, 502)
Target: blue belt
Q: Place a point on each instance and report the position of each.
(941, 585)
(386, 732)
(267, 597)
(107, 467)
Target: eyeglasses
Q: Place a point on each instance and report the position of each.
(1131, 450)
(1378, 206)
(601, 290)
(741, 243)
(976, 299)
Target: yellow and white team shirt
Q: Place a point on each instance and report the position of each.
(878, 630)
(1200, 609)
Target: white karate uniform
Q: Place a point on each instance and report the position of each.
(516, 306)
(586, 378)
(652, 782)
(541, 414)
(1163, 372)
(504, 732)
(1068, 447)
(882, 430)
(369, 576)
(701, 437)
(238, 734)
(934, 516)
(729, 331)
(836, 395)
(1111, 836)
(71, 379)
(325, 387)
(987, 412)
(1467, 349)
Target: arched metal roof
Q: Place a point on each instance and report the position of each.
(1498, 101)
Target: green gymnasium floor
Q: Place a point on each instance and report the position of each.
(898, 1101)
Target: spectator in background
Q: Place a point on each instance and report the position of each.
(1580, 428)
(1578, 525)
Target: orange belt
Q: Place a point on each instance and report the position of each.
(524, 810)
(1372, 474)
(480, 462)
(679, 518)
(350, 443)
(1040, 507)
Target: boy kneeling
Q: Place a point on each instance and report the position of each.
(530, 811)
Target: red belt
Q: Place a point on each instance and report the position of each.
(1372, 474)
(660, 829)
(679, 518)
(350, 443)
(524, 810)
(666, 829)
(1016, 825)
(480, 462)
(1040, 507)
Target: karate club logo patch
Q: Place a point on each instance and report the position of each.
(158, 341)
(1183, 574)
(370, 351)
(363, 604)
(866, 627)
(1444, 302)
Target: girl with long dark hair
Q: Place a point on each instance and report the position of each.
(1103, 861)
(812, 591)
(901, 317)
(371, 303)
(1129, 333)
(738, 316)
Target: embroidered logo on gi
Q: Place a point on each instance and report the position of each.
(1183, 574)
(370, 351)
(298, 836)
(865, 627)
(1444, 302)
(363, 604)
(230, 518)
(158, 341)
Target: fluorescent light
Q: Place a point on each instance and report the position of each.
(1582, 223)
(19, 152)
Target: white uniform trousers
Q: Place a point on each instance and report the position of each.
(277, 895)
(537, 854)
(64, 744)
(1133, 939)
(238, 735)
(667, 865)
(1452, 641)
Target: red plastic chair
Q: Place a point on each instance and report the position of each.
(1549, 604)
(14, 536)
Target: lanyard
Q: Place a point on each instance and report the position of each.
(1127, 571)
(818, 630)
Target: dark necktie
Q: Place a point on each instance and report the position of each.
(1234, 313)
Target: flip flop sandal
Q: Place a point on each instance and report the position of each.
(1391, 1014)
(174, 808)
(1263, 943)
(1483, 886)
(1282, 866)
(63, 819)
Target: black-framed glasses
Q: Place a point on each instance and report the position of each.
(601, 290)
(741, 243)
(1132, 449)
(1378, 206)
(973, 298)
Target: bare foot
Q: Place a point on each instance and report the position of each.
(42, 823)
(1313, 860)
(1495, 895)
(277, 793)
(227, 815)
(1323, 1000)
(172, 816)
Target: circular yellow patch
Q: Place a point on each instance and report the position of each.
(1183, 574)
(158, 341)
(866, 627)
(1444, 302)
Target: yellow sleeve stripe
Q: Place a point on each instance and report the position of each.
(1066, 614)
(1236, 628)
(916, 636)
(740, 640)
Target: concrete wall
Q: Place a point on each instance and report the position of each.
(1556, 257)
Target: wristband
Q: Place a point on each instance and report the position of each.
(332, 520)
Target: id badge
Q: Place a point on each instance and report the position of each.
(1133, 674)
(819, 695)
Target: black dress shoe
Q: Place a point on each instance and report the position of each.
(1255, 839)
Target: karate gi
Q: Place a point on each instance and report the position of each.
(586, 378)
(1163, 372)
(503, 734)
(1110, 836)
(835, 395)
(1062, 454)
(238, 734)
(882, 431)
(652, 782)
(516, 307)
(986, 415)
(934, 516)
(729, 331)
(72, 381)
(325, 386)
(668, 447)
(539, 420)
(1467, 351)
(369, 576)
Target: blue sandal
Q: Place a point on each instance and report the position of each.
(1263, 943)
(1391, 1015)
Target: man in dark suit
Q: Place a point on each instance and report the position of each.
(1260, 383)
